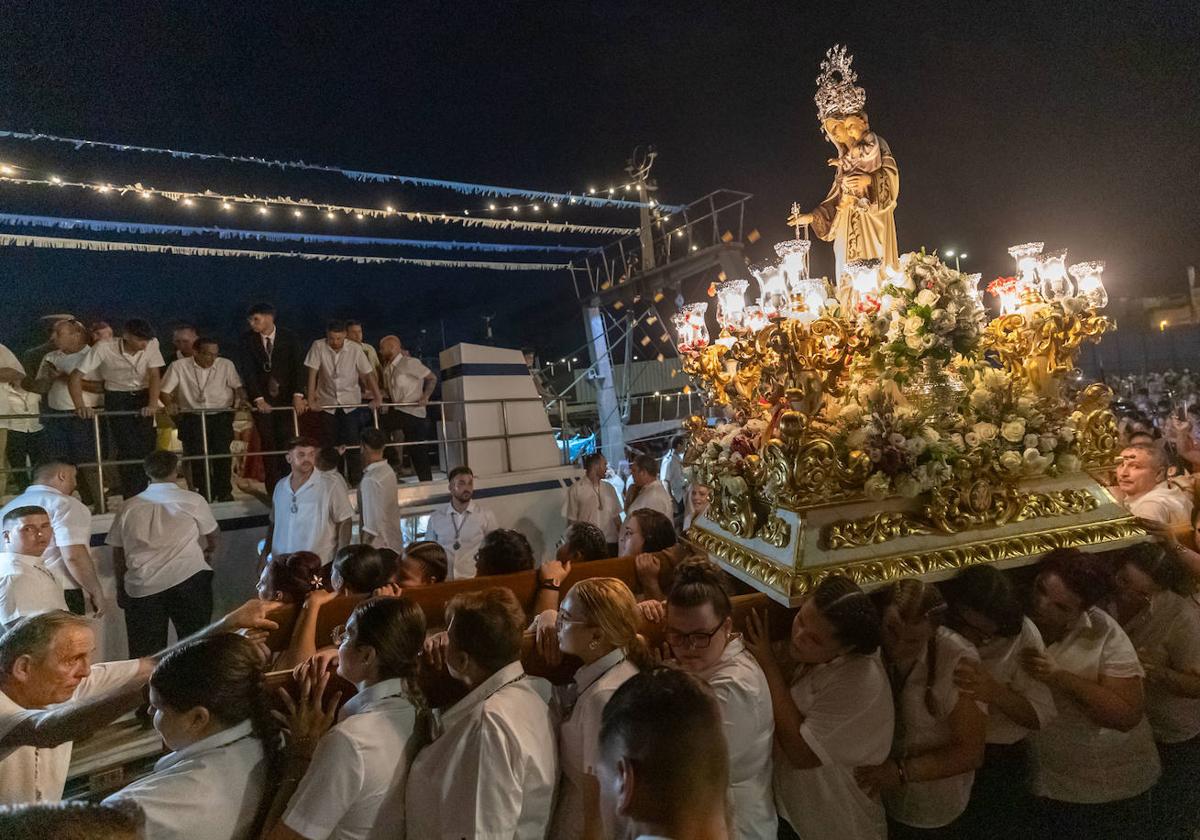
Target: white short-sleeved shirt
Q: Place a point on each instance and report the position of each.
(16, 400)
(1164, 503)
(202, 387)
(38, 774)
(59, 395)
(848, 723)
(70, 519)
(320, 505)
(27, 587)
(338, 372)
(160, 529)
(405, 378)
(460, 534)
(210, 790)
(939, 802)
(120, 370)
(597, 504)
(1002, 659)
(356, 778)
(749, 723)
(1075, 759)
(379, 507)
(670, 473)
(491, 773)
(655, 497)
(1169, 629)
(579, 737)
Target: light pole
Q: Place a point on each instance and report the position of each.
(958, 255)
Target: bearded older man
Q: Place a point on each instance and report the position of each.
(1143, 488)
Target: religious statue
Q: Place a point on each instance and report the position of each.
(858, 214)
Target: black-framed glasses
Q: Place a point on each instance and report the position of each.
(985, 636)
(693, 641)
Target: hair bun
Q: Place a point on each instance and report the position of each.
(699, 570)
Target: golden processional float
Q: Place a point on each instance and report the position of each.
(884, 427)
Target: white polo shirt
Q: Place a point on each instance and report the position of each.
(160, 530)
(307, 519)
(59, 395)
(38, 774)
(16, 400)
(27, 587)
(69, 518)
(1002, 659)
(1164, 503)
(597, 504)
(210, 790)
(749, 724)
(120, 370)
(655, 497)
(338, 372)
(379, 507)
(939, 802)
(579, 735)
(492, 771)
(356, 778)
(405, 379)
(848, 723)
(460, 534)
(670, 473)
(1169, 629)
(202, 387)
(1074, 759)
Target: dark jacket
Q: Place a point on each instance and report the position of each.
(276, 379)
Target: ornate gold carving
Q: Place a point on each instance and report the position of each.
(776, 531)
(950, 512)
(1040, 345)
(1098, 442)
(801, 469)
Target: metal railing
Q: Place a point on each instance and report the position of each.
(100, 464)
(650, 408)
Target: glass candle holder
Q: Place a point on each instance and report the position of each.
(793, 255)
(1053, 281)
(755, 318)
(773, 291)
(1088, 283)
(697, 328)
(731, 304)
(1026, 258)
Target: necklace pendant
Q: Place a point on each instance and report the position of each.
(457, 546)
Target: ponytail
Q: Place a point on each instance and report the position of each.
(612, 609)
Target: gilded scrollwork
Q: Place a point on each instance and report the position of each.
(776, 531)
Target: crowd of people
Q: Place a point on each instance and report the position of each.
(1058, 700)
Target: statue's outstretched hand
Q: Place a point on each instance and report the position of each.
(800, 219)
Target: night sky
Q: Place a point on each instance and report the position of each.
(1071, 123)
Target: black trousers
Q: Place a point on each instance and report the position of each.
(73, 439)
(187, 605)
(1000, 801)
(1176, 798)
(133, 436)
(24, 453)
(343, 428)
(415, 428)
(274, 431)
(220, 435)
(1124, 819)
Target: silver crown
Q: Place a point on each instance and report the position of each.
(837, 95)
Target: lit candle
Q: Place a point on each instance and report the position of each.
(731, 304)
(1090, 286)
(1053, 281)
(1026, 257)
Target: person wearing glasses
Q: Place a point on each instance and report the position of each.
(27, 587)
(1164, 626)
(341, 782)
(309, 512)
(985, 611)
(699, 631)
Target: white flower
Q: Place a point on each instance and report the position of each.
(913, 342)
(896, 439)
(907, 487)
(912, 324)
(927, 297)
(1031, 441)
(927, 342)
(1010, 461)
(877, 486)
(931, 434)
(1047, 443)
(1014, 430)
(985, 431)
(1068, 463)
(856, 439)
(956, 440)
(1037, 462)
(916, 445)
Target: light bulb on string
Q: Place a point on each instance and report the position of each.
(297, 213)
(187, 202)
(492, 206)
(329, 215)
(55, 179)
(225, 205)
(537, 208)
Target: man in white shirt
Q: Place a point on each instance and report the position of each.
(647, 491)
(68, 436)
(493, 769)
(671, 471)
(308, 510)
(51, 694)
(378, 505)
(27, 587)
(408, 381)
(68, 555)
(663, 766)
(335, 366)
(1143, 487)
(129, 367)
(162, 544)
(593, 500)
(460, 526)
(202, 381)
(20, 437)
(354, 332)
(183, 339)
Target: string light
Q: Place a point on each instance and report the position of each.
(54, 179)
(330, 216)
(187, 202)
(297, 213)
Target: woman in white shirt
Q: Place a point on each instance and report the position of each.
(597, 622)
(354, 778)
(985, 610)
(940, 730)
(1094, 764)
(699, 630)
(833, 711)
(1164, 627)
(209, 706)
